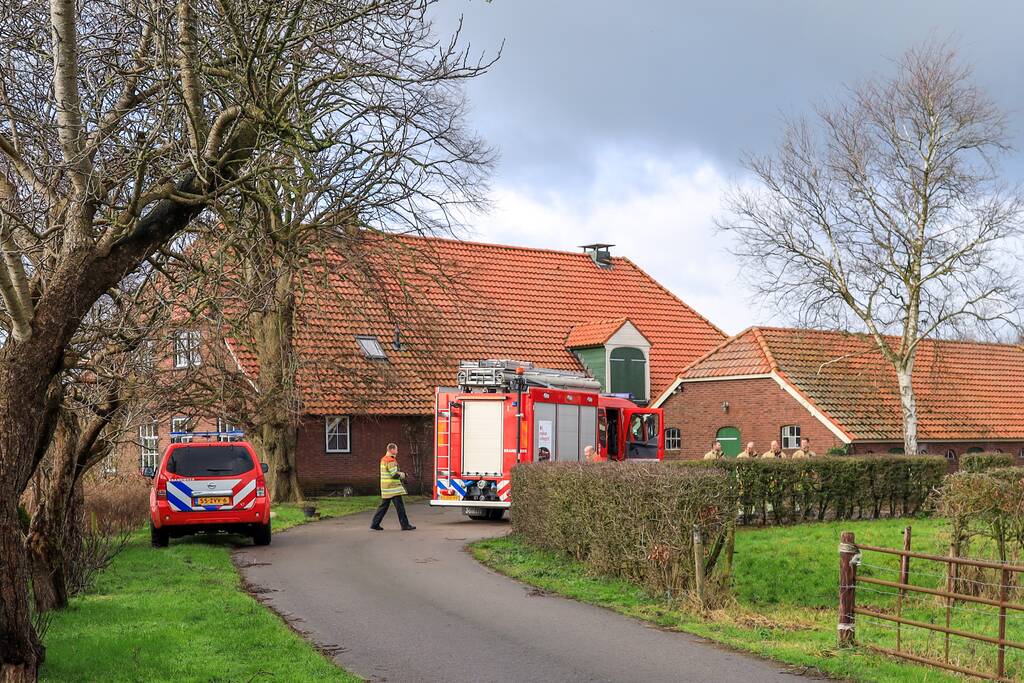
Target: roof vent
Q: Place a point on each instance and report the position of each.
(600, 254)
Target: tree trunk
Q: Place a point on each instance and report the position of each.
(276, 353)
(51, 524)
(20, 649)
(908, 403)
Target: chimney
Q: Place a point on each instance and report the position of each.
(600, 254)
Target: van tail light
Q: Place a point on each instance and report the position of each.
(161, 488)
(261, 488)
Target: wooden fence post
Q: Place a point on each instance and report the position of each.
(904, 579)
(698, 565)
(1004, 595)
(951, 580)
(847, 588)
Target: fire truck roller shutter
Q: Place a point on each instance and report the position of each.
(588, 428)
(482, 437)
(568, 433)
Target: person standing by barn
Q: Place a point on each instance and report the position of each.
(391, 489)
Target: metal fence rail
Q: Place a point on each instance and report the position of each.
(850, 557)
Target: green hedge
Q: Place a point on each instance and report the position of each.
(787, 491)
(632, 520)
(979, 462)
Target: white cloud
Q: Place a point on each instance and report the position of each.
(657, 212)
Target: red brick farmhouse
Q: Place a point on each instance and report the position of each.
(769, 384)
(368, 364)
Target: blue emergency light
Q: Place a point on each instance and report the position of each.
(236, 433)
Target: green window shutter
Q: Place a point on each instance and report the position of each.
(629, 372)
(729, 437)
(593, 360)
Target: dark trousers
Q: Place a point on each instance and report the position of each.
(382, 510)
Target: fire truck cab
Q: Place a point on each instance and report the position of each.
(503, 413)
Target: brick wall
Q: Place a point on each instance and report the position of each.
(320, 471)
(758, 408)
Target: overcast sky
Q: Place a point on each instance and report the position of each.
(623, 122)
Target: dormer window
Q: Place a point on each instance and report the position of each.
(371, 348)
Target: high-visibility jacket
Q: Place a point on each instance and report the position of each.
(390, 482)
(713, 455)
(801, 453)
(773, 454)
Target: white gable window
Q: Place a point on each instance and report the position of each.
(673, 439)
(149, 444)
(371, 348)
(181, 428)
(186, 349)
(337, 434)
(791, 436)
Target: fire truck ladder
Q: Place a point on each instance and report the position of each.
(442, 452)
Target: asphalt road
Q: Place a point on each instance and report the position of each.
(415, 606)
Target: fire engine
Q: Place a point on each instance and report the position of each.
(505, 412)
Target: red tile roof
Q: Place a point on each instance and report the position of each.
(964, 390)
(453, 300)
(593, 333)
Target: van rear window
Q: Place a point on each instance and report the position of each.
(209, 461)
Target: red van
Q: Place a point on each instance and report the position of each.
(208, 487)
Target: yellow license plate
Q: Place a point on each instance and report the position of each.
(449, 496)
(213, 500)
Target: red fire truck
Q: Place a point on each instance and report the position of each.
(504, 412)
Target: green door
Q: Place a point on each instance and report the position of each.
(629, 372)
(729, 437)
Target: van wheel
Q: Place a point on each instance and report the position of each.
(262, 535)
(159, 538)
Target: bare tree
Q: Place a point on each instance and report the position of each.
(121, 121)
(886, 214)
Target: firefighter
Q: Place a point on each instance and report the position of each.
(715, 453)
(749, 452)
(774, 451)
(391, 489)
(805, 450)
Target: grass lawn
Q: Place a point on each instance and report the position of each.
(786, 586)
(180, 614)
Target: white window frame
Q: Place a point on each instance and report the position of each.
(331, 429)
(187, 345)
(224, 426)
(149, 444)
(789, 436)
(372, 351)
(188, 424)
(677, 437)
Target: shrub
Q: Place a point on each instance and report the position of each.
(979, 462)
(632, 520)
(787, 491)
(986, 518)
(114, 508)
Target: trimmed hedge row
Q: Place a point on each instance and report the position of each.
(632, 520)
(787, 491)
(978, 462)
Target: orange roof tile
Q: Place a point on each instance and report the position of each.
(452, 300)
(964, 390)
(593, 333)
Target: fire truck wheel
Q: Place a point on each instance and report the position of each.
(495, 515)
(158, 538)
(480, 515)
(262, 535)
